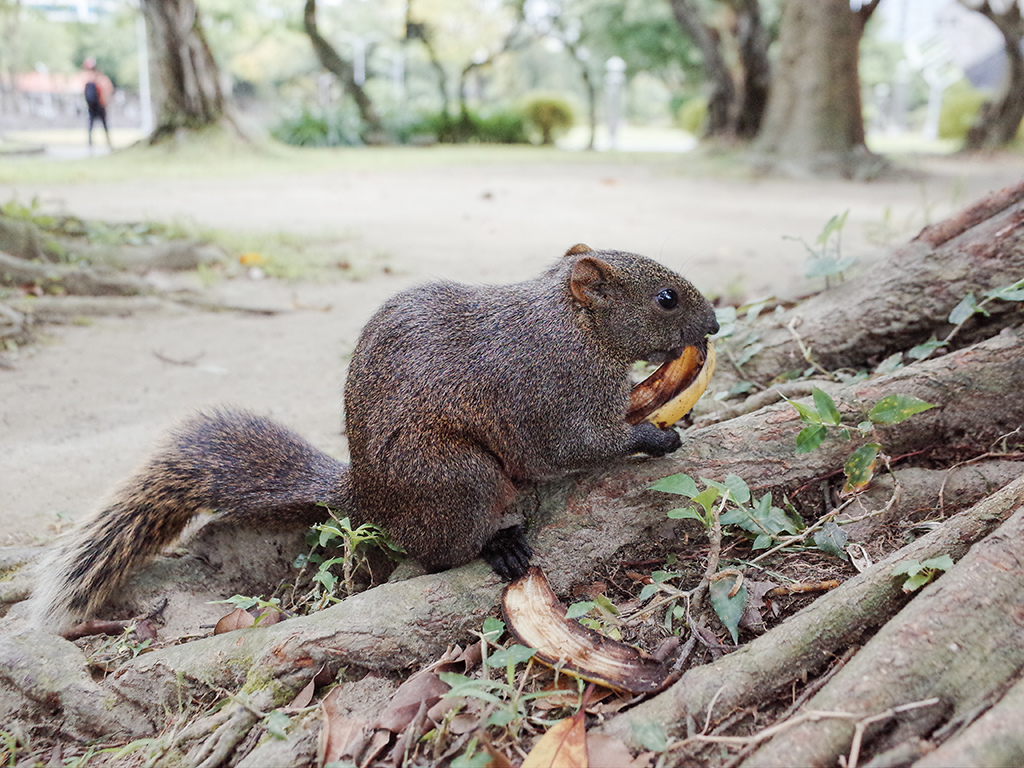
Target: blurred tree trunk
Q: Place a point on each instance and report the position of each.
(813, 124)
(999, 119)
(188, 92)
(738, 95)
(752, 39)
(332, 61)
(10, 21)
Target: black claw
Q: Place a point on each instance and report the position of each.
(508, 553)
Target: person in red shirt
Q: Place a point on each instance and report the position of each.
(98, 90)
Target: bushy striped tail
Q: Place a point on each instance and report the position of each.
(234, 463)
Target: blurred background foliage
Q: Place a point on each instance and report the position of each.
(473, 70)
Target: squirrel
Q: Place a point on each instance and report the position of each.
(457, 399)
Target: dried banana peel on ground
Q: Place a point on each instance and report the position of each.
(668, 394)
(533, 614)
(536, 619)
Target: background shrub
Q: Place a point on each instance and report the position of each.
(550, 115)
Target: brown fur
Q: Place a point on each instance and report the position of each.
(457, 398)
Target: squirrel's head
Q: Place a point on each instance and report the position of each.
(638, 308)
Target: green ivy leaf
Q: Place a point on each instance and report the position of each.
(916, 581)
(576, 610)
(515, 654)
(1012, 292)
(707, 498)
(826, 406)
(647, 592)
(940, 563)
(681, 485)
(860, 467)
(906, 568)
(831, 539)
(894, 409)
(810, 438)
(493, 628)
(737, 488)
(808, 415)
(923, 350)
(685, 513)
(892, 363)
(651, 735)
(729, 609)
(835, 224)
(277, 724)
(967, 307)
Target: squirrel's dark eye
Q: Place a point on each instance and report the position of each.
(668, 299)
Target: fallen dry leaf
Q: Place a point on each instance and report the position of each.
(563, 746)
(303, 697)
(268, 616)
(423, 687)
(340, 736)
(607, 751)
(237, 619)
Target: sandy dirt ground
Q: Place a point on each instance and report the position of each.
(79, 410)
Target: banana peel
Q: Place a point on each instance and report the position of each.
(536, 619)
(668, 394)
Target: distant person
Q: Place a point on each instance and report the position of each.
(98, 90)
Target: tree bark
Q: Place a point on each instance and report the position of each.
(998, 120)
(883, 311)
(813, 124)
(810, 640)
(722, 89)
(188, 93)
(333, 62)
(752, 40)
(979, 605)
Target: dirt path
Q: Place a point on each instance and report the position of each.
(78, 412)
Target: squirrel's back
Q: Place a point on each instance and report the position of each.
(232, 462)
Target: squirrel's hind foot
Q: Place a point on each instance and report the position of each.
(508, 553)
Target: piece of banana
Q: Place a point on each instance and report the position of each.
(536, 619)
(668, 394)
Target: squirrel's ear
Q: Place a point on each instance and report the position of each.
(577, 249)
(588, 281)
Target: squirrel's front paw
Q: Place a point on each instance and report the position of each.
(656, 442)
(508, 553)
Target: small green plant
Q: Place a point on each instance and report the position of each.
(550, 115)
(354, 544)
(507, 699)
(247, 603)
(729, 322)
(122, 647)
(723, 507)
(968, 307)
(824, 258)
(599, 614)
(920, 573)
(742, 512)
(823, 416)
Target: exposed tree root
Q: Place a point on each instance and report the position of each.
(805, 643)
(959, 640)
